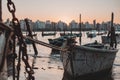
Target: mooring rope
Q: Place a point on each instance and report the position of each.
(46, 44)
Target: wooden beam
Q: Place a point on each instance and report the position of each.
(0, 10)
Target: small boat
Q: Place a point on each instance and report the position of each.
(48, 34)
(91, 34)
(59, 42)
(101, 32)
(71, 34)
(56, 41)
(89, 60)
(78, 34)
(63, 34)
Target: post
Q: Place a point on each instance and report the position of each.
(80, 29)
(71, 28)
(0, 10)
(64, 28)
(113, 42)
(30, 34)
(112, 18)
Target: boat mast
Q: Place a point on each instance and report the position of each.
(80, 29)
(0, 10)
(64, 28)
(71, 28)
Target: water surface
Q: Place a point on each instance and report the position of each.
(49, 67)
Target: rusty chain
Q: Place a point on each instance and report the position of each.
(22, 49)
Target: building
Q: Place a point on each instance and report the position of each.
(39, 25)
(61, 25)
(74, 25)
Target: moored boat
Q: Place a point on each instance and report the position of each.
(89, 60)
(91, 34)
(56, 42)
(59, 42)
(48, 34)
(101, 32)
(65, 34)
(73, 34)
(78, 34)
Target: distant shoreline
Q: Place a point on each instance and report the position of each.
(62, 30)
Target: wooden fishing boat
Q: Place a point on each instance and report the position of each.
(48, 34)
(78, 34)
(101, 32)
(91, 34)
(59, 42)
(63, 34)
(89, 60)
(69, 34)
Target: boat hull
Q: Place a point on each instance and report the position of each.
(83, 61)
(48, 34)
(91, 35)
(91, 76)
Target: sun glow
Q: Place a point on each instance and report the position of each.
(65, 19)
(59, 10)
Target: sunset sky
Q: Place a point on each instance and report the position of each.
(64, 10)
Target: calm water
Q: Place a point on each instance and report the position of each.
(50, 66)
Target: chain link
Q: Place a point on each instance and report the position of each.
(9, 1)
(11, 9)
(18, 33)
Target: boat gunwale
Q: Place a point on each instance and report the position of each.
(104, 50)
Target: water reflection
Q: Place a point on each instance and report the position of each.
(51, 67)
(55, 59)
(55, 62)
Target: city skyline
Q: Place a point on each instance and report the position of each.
(64, 10)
